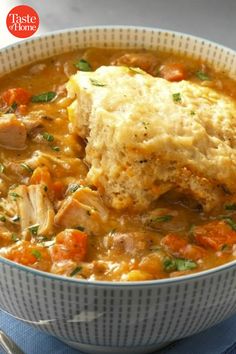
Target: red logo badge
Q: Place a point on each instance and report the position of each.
(22, 21)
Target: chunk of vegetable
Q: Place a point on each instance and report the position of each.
(179, 247)
(16, 96)
(41, 175)
(173, 243)
(70, 244)
(215, 234)
(173, 72)
(27, 253)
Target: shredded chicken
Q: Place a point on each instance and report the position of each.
(83, 208)
(33, 207)
(145, 61)
(12, 132)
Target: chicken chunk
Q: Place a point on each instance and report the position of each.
(146, 136)
(145, 61)
(12, 132)
(33, 208)
(83, 208)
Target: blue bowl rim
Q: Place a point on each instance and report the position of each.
(85, 282)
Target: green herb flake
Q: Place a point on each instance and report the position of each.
(15, 195)
(97, 83)
(192, 113)
(44, 97)
(48, 137)
(112, 232)
(55, 148)
(224, 248)
(83, 65)
(37, 254)
(179, 264)
(228, 220)
(73, 187)
(163, 218)
(75, 271)
(177, 97)
(201, 75)
(12, 108)
(230, 206)
(27, 167)
(136, 70)
(3, 218)
(2, 168)
(34, 229)
(14, 237)
(145, 124)
(169, 265)
(155, 248)
(80, 228)
(185, 264)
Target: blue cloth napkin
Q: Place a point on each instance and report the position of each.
(220, 339)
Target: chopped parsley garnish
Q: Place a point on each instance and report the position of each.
(97, 83)
(12, 108)
(37, 254)
(230, 206)
(75, 271)
(112, 232)
(3, 218)
(163, 218)
(224, 248)
(136, 70)
(228, 220)
(179, 264)
(192, 113)
(55, 148)
(176, 97)
(145, 124)
(201, 75)
(80, 228)
(155, 248)
(2, 168)
(27, 167)
(14, 195)
(73, 187)
(83, 65)
(14, 237)
(44, 97)
(34, 229)
(48, 137)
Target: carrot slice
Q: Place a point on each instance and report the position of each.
(41, 175)
(173, 243)
(27, 253)
(70, 244)
(16, 95)
(215, 235)
(173, 72)
(179, 247)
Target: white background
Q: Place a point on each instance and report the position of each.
(212, 19)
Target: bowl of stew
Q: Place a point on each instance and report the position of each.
(117, 186)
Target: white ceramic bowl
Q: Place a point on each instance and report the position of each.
(103, 317)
